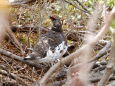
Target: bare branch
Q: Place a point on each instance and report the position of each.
(19, 3)
(11, 55)
(111, 64)
(103, 51)
(83, 6)
(76, 6)
(13, 76)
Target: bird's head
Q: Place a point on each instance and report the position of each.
(57, 25)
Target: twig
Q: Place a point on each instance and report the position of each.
(26, 77)
(28, 37)
(76, 6)
(103, 51)
(95, 79)
(14, 40)
(13, 76)
(8, 83)
(21, 28)
(83, 6)
(58, 83)
(19, 3)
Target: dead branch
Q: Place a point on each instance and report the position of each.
(58, 83)
(83, 6)
(98, 78)
(14, 40)
(76, 6)
(19, 3)
(11, 55)
(103, 51)
(111, 64)
(21, 28)
(13, 76)
(26, 77)
(8, 83)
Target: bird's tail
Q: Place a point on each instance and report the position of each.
(32, 56)
(28, 57)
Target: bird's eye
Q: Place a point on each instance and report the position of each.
(52, 17)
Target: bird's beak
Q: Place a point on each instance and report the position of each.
(51, 17)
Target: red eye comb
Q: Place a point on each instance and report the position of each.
(54, 17)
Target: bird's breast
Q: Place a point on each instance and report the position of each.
(57, 52)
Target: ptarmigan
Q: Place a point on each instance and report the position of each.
(52, 45)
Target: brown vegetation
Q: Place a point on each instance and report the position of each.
(90, 57)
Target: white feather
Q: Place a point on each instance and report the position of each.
(49, 53)
(59, 51)
(28, 57)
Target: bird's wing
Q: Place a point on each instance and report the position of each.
(40, 49)
(42, 46)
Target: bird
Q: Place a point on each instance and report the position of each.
(51, 45)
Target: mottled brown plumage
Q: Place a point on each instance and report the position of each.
(52, 43)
